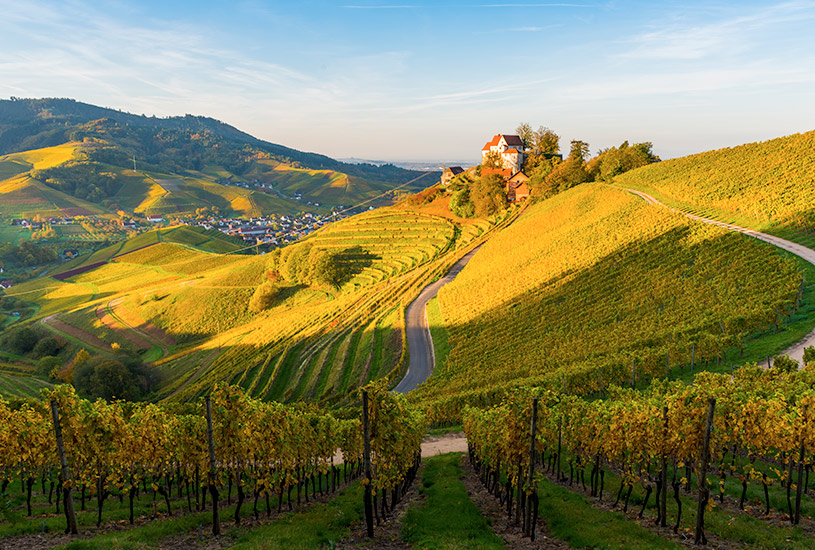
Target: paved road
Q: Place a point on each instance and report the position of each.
(796, 351)
(420, 344)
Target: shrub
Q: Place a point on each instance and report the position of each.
(21, 340)
(263, 297)
(48, 366)
(809, 355)
(47, 346)
(785, 363)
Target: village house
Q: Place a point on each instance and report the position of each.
(510, 147)
(517, 187)
(449, 173)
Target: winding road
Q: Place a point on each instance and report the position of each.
(420, 343)
(797, 350)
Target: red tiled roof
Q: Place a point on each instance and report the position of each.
(512, 150)
(495, 139)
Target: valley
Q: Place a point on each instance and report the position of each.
(595, 304)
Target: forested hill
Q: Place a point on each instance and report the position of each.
(184, 142)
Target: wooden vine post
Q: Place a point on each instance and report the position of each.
(799, 486)
(663, 505)
(704, 494)
(70, 514)
(213, 488)
(366, 461)
(532, 495)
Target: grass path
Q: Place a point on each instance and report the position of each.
(448, 519)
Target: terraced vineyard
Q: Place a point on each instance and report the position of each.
(318, 344)
(768, 186)
(168, 295)
(595, 283)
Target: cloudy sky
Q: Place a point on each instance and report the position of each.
(402, 79)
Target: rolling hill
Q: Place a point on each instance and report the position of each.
(182, 163)
(768, 186)
(594, 281)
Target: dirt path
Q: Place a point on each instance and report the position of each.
(144, 328)
(104, 315)
(797, 350)
(420, 343)
(51, 322)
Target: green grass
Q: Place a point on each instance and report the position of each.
(435, 320)
(318, 527)
(572, 518)
(732, 526)
(448, 519)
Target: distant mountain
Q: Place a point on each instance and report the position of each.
(183, 148)
(36, 123)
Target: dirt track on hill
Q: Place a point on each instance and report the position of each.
(796, 351)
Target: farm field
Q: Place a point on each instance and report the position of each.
(767, 186)
(604, 285)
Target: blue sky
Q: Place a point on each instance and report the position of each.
(402, 79)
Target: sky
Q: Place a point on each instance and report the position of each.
(420, 80)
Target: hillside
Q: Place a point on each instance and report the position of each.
(592, 280)
(177, 297)
(768, 186)
(186, 146)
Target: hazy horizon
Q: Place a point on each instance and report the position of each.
(424, 80)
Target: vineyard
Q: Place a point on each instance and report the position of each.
(604, 287)
(169, 295)
(120, 455)
(769, 185)
(746, 436)
(294, 350)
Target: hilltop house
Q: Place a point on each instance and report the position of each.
(450, 173)
(517, 187)
(510, 147)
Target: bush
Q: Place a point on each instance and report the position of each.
(124, 377)
(488, 195)
(809, 355)
(295, 263)
(461, 205)
(326, 268)
(263, 297)
(49, 366)
(47, 346)
(785, 363)
(21, 340)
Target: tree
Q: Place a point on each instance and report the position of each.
(326, 268)
(493, 161)
(524, 131)
(295, 263)
(263, 297)
(124, 377)
(488, 195)
(809, 355)
(460, 203)
(579, 150)
(47, 346)
(21, 340)
(105, 378)
(546, 142)
(616, 160)
(567, 174)
(48, 366)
